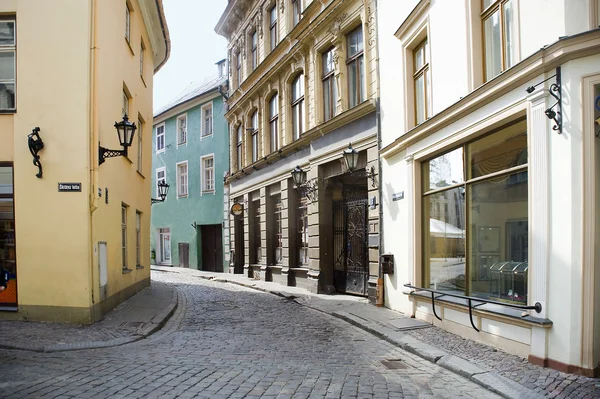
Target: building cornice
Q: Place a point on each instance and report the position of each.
(156, 24)
(544, 60)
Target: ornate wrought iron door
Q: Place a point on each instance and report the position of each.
(350, 235)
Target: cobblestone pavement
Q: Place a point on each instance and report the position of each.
(131, 320)
(227, 341)
(544, 381)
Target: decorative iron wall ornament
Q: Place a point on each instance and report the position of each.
(556, 92)
(35, 143)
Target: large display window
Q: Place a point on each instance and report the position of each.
(475, 220)
(8, 254)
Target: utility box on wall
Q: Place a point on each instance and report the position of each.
(387, 263)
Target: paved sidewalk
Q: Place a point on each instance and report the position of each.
(507, 375)
(134, 319)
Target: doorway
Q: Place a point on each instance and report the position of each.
(184, 254)
(238, 256)
(212, 248)
(164, 246)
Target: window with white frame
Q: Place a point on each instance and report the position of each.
(182, 129)
(298, 106)
(254, 136)
(356, 68)
(8, 52)
(273, 34)
(499, 34)
(207, 120)
(329, 86)
(254, 49)
(160, 138)
(127, 22)
(124, 234)
(208, 174)
(140, 146)
(297, 7)
(161, 177)
(138, 238)
(142, 52)
(182, 179)
(125, 110)
(240, 134)
(273, 121)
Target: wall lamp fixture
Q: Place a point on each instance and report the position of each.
(125, 131)
(309, 187)
(163, 190)
(556, 92)
(35, 144)
(351, 159)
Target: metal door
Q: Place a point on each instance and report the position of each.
(350, 235)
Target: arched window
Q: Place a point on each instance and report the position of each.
(273, 121)
(298, 106)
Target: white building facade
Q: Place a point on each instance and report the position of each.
(490, 160)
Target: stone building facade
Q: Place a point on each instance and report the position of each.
(303, 85)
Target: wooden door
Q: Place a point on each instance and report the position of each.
(184, 254)
(212, 248)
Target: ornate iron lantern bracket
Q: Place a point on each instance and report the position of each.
(556, 92)
(163, 190)
(35, 143)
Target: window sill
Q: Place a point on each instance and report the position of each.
(300, 269)
(129, 46)
(8, 111)
(181, 144)
(126, 271)
(208, 192)
(139, 267)
(208, 136)
(182, 196)
(160, 152)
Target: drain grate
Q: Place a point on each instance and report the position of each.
(394, 364)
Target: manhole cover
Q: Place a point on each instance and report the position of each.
(394, 364)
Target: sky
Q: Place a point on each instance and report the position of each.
(195, 47)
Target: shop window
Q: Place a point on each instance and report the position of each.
(8, 254)
(302, 231)
(475, 220)
(356, 68)
(329, 86)
(8, 65)
(255, 243)
(499, 36)
(277, 230)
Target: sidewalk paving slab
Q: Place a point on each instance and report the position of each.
(504, 374)
(136, 318)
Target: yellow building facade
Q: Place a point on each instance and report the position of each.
(74, 234)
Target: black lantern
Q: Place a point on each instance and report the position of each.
(125, 131)
(299, 176)
(351, 158)
(163, 190)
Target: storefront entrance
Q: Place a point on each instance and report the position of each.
(8, 255)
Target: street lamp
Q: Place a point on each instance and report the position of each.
(163, 189)
(299, 176)
(125, 131)
(309, 187)
(351, 157)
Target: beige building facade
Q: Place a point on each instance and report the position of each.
(303, 85)
(74, 225)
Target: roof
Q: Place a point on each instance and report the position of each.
(194, 90)
(439, 228)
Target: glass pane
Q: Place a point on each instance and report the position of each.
(239, 134)
(498, 239)
(273, 106)
(487, 3)
(502, 150)
(327, 99)
(444, 240)
(255, 120)
(352, 89)
(327, 62)
(7, 33)
(444, 170)
(493, 50)
(420, 99)
(510, 45)
(273, 37)
(355, 42)
(274, 135)
(7, 65)
(363, 82)
(6, 180)
(298, 88)
(296, 122)
(273, 15)
(419, 57)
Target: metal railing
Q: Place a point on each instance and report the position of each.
(537, 307)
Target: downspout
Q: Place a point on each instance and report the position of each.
(93, 144)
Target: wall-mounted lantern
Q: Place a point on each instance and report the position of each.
(351, 159)
(309, 188)
(35, 144)
(163, 190)
(125, 131)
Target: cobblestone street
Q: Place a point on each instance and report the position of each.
(230, 341)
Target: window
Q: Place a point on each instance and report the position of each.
(125, 110)
(138, 239)
(255, 136)
(499, 36)
(240, 163)
(298, 106)
(357, 89)
(254, 44)
(255, 250)
(127, 22)
(142, 51)
(329, 86)
(208, 174)
(273, 34)
(182, 129)
(238, 66)
(161, 177)
(302, 232)
(182, 179)
(160, 138)
(296, 11)
(140, 146)
(421, 78)
(124, 234)
(277, 230)
(8, 52)
(207, 120)
(273, 121)
(475, 217)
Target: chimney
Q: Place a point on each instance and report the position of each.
(222, 67)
